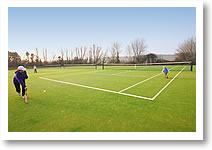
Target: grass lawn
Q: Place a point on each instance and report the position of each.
(84, 99)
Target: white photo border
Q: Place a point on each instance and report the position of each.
(5, 135)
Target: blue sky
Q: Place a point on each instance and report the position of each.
(163, 29)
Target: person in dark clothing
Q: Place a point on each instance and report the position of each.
(19, 79)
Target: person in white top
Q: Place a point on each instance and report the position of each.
(35, 69)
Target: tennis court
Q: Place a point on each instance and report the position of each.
(118, 82)
(116, 98)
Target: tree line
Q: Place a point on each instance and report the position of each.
(95, 54)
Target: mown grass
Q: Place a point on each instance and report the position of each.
(68, 108)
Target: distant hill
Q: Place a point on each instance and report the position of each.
(168, 57)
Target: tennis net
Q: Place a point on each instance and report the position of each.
(76, 66)
(172, 66)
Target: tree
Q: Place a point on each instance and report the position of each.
(113, 55)
(59, 58)
(104, 56)
(45, 55)
(82, 53)
(27, 55)
(36, 56)
(151, 58)
(71, 55)
(54, 58)
(187, 51)
(67, 56)
(115, 51)
(90, 56)
(32, 58)
(137, 48)
(129, 54)
(97, 53)
(13, 59)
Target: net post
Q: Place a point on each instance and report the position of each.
(191, 66)
(135, 66)
(103, 66)
(96, 66)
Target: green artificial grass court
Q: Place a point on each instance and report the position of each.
(61, 107)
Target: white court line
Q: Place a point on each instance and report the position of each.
(95, 88)
(115, 91)
(140, 82)
(167, 84)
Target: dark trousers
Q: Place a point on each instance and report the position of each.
(17, 87)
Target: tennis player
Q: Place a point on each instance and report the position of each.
(35, 69)
(19, 79)
(165, 71)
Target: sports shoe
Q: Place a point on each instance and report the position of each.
(23, 97)
(19, 94)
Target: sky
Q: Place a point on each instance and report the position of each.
(163, 29)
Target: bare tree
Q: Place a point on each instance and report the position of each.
(90, 56)
(32, 58)
(27, 55)
(14, 59)
(36, 56)
(94, 53)
(71, 55)
(104, 56)
(97, 53)
(129, 54)
(187, 50)
(67, 55)
(54, 57)
(115, 51)
(82, 53)
(113, 55)
(45, 55)
(137, 47)
(77, 53)
(62, 54)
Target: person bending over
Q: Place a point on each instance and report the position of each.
(19, 79)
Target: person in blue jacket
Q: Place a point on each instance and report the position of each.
(165, 71)
(19, 79)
